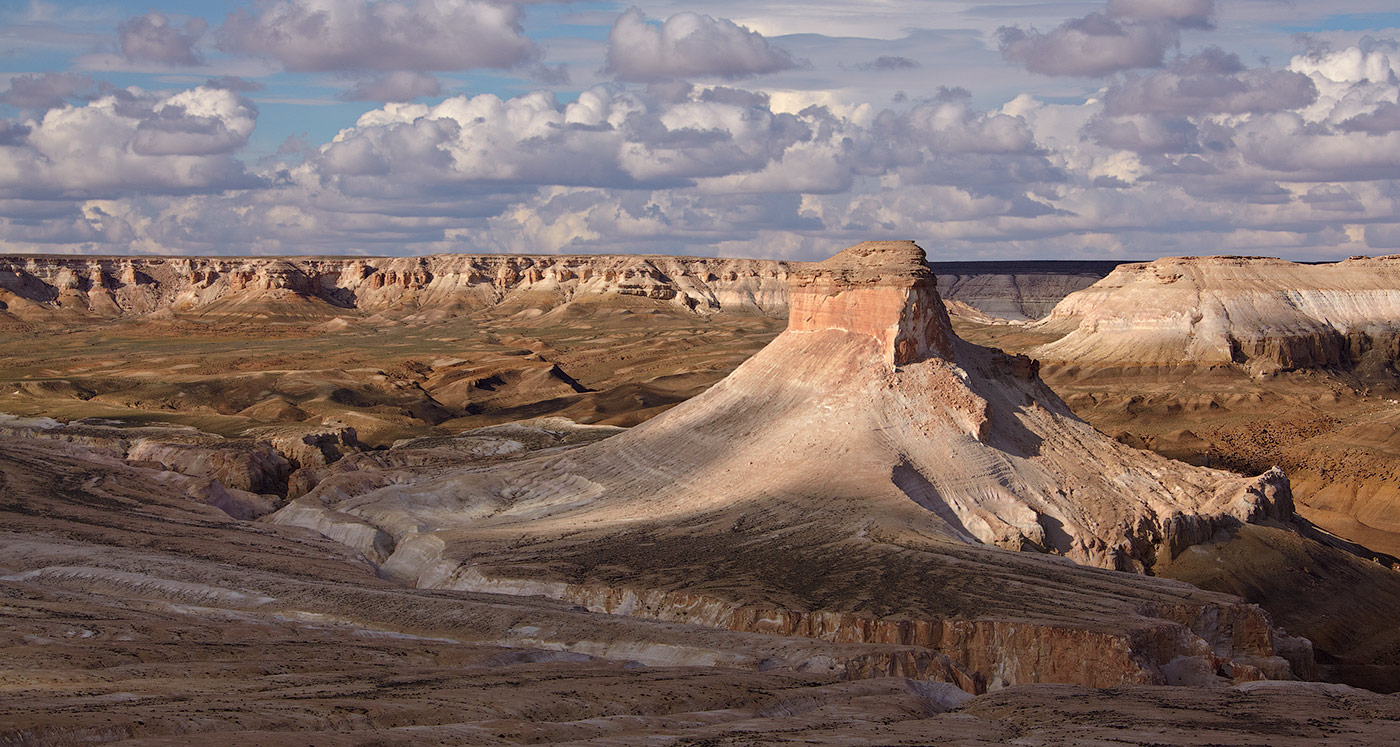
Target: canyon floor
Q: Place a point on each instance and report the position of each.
(145, 602)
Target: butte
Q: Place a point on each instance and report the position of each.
(866, 477)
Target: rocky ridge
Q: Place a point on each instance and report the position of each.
(57, 288)
(310, 287)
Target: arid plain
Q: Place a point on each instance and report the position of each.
(658, 500)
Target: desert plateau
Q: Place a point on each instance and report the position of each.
(661, 374)
(618, 500)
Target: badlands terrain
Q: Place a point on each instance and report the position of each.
(657, 500)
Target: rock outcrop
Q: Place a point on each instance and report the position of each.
(245, 477)
(854, 481)
(1261, 314)
(1017, 290)
(59, 288)
(304, 288)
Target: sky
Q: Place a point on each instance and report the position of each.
(1107, 129)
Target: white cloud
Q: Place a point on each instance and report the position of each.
(1210, 82)
(130, 142)
(689, 45)
(1092, 46)
(1129, 34)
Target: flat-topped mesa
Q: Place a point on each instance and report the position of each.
(1257, 314)
(884, 289)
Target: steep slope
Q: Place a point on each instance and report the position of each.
(845, 483)
(1259, 313)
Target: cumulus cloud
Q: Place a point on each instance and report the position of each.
(45, 91)
(1144, 134)
(387, 35)
(1130, 34)
(198, 122)
(153, 37)
(1210, 82)
(1371, 61)
(1383, 235)
(400, 85)
(605, 137)
(717, 140)
(1091, 46)
(1205, 153)
(1162, 112)
(689, 45)
(1333, 197)
(129, 142)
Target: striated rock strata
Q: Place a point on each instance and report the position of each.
(43, 287)
(1258, 313)
(865, 477)
(67, 289)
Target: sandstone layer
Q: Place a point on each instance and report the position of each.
(318, 289)
(1262, 314)
(853, 482)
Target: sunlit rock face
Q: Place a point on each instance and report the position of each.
(69, 288)
(1261, 314)
(45, 287)
(878, 288)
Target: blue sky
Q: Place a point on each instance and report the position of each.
(1111, 128)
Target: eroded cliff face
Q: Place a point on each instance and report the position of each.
(40, 287)
(70, 288)
(882, 289)
(1258, 313)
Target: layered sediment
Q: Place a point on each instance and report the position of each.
(1261, 314)
(37, 288)
(40, 287)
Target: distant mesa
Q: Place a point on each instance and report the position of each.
(321, 289)
(1259, 314)
(325, 290)
(860, 478)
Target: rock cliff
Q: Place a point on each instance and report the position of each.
(42, 287)
(1258, 313)
(61, 288)
(855, 481)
